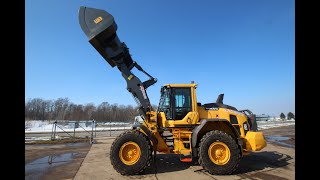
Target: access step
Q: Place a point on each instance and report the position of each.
(186, 160)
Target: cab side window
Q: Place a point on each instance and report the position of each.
(182, 98)
(164, 105)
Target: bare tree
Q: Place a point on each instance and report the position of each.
(60, 107)
(33, 109)
(70, 111)
(88, 110)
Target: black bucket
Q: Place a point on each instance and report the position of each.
(100, 28)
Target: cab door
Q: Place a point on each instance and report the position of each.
(182, 111)
(175, 108)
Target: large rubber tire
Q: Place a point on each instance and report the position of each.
(135, 140)
(223, 148)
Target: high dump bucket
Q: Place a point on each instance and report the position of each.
(100, 28)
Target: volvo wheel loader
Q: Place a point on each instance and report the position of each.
(214, 134)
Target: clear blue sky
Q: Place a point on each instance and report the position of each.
(244, 49)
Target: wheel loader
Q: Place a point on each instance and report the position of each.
(213, 134)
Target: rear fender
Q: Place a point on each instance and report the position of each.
(214, 124)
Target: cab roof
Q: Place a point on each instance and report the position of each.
(180, 85)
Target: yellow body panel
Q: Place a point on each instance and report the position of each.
(190, 119)
(181, 85)
(182, 139)
(254, 141)
(162, 146)
(151, 124)
(223, 113)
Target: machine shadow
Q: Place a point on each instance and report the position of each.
(167, 163)
(254, 162)
(261, 160)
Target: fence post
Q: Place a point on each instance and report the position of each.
(54, 132)
(92, 131)
(110, 126)
(95, 128)
(74, 130)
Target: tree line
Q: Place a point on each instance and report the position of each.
(63, 109)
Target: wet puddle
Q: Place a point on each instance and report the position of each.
(77, 144)
(39, 167)
(279, 140)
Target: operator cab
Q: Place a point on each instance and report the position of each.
(177, 104)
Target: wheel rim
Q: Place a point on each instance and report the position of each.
(219, 153)
(130, 153)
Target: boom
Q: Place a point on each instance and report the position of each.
(100, 28)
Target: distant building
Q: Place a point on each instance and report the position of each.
(263, 117)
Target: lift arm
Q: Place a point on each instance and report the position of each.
(100, 28)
